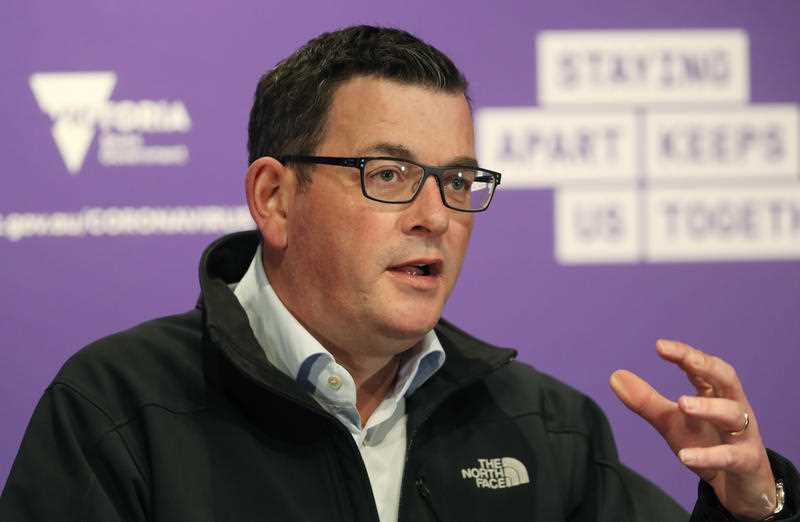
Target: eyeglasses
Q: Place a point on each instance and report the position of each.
(394, 180)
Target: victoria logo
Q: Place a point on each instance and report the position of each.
(79, 105)
(498, 473)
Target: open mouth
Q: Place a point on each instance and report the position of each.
(415, 269)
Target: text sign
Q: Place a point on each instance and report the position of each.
(543, 148)
(755, 141)
(596, 226)
(723, 224)
(641, 67)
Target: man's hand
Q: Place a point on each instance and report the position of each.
(701, 429)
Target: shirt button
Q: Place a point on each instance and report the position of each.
(334, 382)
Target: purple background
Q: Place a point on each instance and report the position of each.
(579, 323)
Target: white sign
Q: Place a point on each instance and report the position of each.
(544, 148)
(749, 142)
(642, 67)
(745, 223)
(596, 226)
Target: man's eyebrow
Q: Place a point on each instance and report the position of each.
(463, 161)
(389, 149)
(401, 151)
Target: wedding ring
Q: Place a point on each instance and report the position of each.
(744, 427)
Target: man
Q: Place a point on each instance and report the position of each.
(316, 380)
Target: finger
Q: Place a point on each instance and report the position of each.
(725, 414)
(642, 399)
(703, 387)
(702, 369)
(735, 458)
(747, 481)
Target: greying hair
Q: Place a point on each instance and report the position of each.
(292, 100)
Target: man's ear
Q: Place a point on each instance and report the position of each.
(270, 187)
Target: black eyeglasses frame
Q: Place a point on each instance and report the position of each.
(427, 170)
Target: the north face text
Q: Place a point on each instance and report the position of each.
(497, 473)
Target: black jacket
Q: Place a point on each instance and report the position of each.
(183, 419)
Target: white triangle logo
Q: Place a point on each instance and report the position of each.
(73, 101)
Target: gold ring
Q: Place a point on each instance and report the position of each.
(744, 427)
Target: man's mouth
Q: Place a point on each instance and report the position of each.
(419, 268)
(416, 269)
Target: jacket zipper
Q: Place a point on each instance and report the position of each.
(425, 493)
(420, 483)
(409, 447)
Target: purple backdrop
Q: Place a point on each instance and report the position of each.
(65, 284)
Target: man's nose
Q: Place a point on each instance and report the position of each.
(427, 213)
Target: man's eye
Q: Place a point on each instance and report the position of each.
(459, 183)
(387, 175)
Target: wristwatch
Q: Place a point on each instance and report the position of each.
(780, 499)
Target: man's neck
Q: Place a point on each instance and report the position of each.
(374, 372)
(372, 384)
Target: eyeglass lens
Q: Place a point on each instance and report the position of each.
(397, 181)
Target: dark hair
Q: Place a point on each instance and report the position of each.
(292, 100)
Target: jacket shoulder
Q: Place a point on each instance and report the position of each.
(521, 389)
(561, 407)
(159, 362)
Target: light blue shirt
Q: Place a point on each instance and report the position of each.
(295, 352)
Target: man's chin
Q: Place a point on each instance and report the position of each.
(410, 329)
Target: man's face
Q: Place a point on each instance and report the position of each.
(351, 261)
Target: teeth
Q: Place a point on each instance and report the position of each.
(416, 270)
(413, 270)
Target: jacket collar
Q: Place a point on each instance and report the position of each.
(226, 260)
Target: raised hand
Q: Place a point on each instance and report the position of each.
(714, 433)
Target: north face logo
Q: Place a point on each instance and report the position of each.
(497, 473)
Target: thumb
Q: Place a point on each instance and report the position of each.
(641, 398)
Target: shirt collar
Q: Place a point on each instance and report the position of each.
(293, 350)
